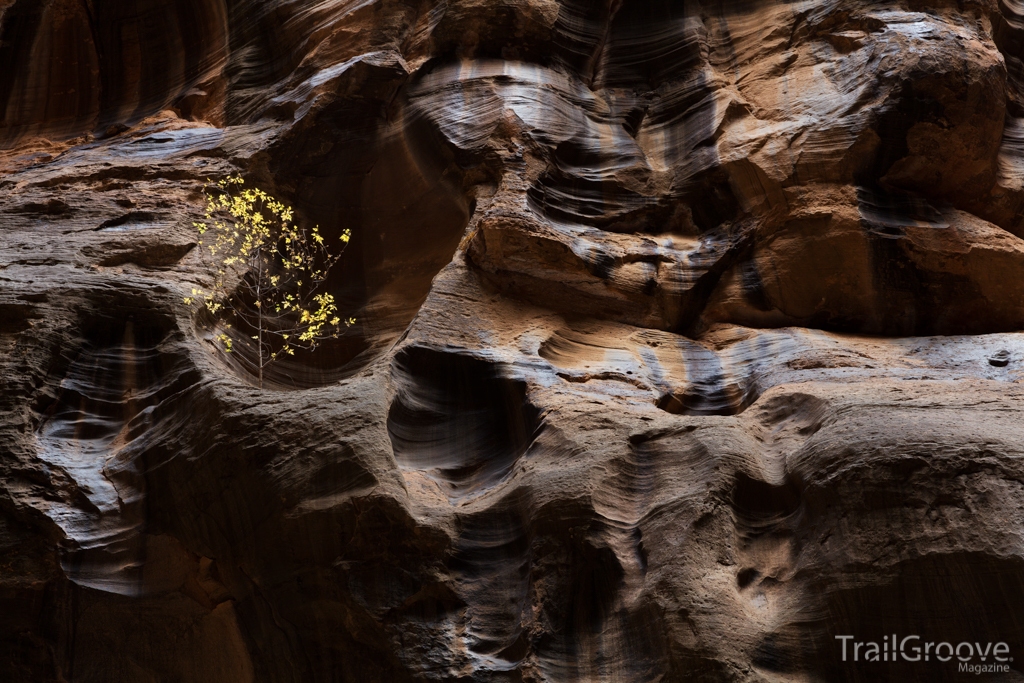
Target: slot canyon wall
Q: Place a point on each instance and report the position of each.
(687, 340)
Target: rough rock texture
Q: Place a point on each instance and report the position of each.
(687, 340)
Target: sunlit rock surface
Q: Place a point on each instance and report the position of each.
(688, 338)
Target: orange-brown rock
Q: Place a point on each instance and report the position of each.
(689, 337)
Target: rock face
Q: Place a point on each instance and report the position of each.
(687, 340)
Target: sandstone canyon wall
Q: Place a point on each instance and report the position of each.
(687, 340)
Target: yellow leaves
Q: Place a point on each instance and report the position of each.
(225, 341)
(269, 272)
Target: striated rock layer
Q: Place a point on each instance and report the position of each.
(688, 339)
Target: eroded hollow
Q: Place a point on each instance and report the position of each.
(957, 598)
(109, 397)
(761, 507)
(406, 220)
(460, 420)
(120, 370)
(710, 388)
(709, 397)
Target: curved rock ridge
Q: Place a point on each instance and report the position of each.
(689, 337)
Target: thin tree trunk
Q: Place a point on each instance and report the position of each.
(259, 317)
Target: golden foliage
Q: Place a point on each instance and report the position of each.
(246, 231)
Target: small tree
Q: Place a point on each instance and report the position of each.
(278, 270)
